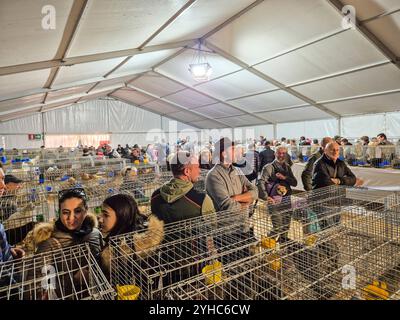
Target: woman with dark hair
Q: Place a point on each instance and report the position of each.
(74, 226)
(120, 215)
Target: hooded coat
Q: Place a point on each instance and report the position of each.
(178, 200)
(53, 235)
(175, 201)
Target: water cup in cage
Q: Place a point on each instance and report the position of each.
(274, 261)
(268, 243)
(3, 159)
(213, 273)
(310, 240)
(127, 292)
(376, 291)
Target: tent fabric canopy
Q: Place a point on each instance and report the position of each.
(274, 61)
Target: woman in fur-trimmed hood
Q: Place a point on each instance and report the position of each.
(74, 226)
(120, 215)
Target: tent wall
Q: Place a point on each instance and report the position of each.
(312, 129)
(121, 123)
(91, 122)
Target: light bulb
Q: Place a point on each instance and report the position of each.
(200, 71)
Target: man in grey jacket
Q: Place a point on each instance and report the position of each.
(229, 189)
(274, 177)
(226, 185)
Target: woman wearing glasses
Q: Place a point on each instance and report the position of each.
(73, 227)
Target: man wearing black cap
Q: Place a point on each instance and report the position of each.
(12, 182)
(226, 185)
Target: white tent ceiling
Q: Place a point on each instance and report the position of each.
(273, 60)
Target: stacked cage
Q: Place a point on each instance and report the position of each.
(189, 248)
(353, 254)
(66, 274)
(377, 156)
(20, 211)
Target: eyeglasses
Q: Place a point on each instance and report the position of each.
(78, 192)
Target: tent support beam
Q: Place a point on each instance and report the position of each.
(216, 99)
(173, 104)
(43, 106)
(161, 115)
(269, 79)
(369, 95)
(90, 58)
(186, 6)
(71, 27)
(231, 19)
(65, 86)
(338, 5)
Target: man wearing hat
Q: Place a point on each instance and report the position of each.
(11, 182)
(226, 185)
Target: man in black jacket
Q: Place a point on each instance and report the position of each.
(266, 156)
(330, 170)
(306, 175)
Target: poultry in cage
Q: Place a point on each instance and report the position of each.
(68, 274)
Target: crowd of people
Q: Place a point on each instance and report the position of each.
(235, 180)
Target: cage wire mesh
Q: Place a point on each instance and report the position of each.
(199, 248)
(80, 168)
(377, 156)
(20, 212)
(188, 246)
(70, 273)
(364, 245)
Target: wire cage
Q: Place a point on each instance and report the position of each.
(377, 156)
(20, 212)
(358, 258)
(70, 273)
(198, 247)
(187, 248)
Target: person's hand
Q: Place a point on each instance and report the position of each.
(335, 181)
(270, 200)
(280, 176)
(17, 253)
(359, 182)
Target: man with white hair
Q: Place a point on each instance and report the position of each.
(306, 175)
(329, 170)
(274, 175)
